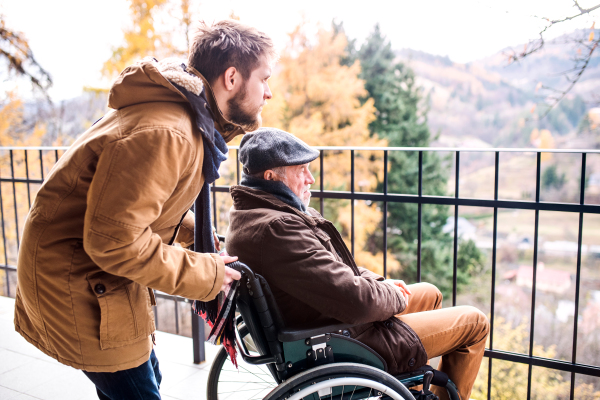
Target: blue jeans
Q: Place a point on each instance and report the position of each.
(140, 383)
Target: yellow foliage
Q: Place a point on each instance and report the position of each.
(543, 140)
(11, 116)
(509, 380)
(141, 39)
(11, 121)
(319, 100)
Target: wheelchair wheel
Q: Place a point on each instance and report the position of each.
(245, 383)
(342, 381)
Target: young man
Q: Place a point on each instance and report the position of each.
(313, 275)
(97, 238)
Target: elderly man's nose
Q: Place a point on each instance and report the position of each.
(310, 179)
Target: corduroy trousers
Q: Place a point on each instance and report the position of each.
(458, 334)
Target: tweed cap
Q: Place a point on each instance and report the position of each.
(269, 148)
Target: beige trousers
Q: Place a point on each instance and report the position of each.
(458, 334)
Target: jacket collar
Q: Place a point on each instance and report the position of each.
(227, 129)
(245, 198)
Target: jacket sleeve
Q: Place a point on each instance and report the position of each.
(135, 177)
(365, 273)
(302, 267)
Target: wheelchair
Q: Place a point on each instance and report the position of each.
(278, 362)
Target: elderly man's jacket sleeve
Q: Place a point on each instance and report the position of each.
(301, 266)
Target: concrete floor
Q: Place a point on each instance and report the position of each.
(26, 373)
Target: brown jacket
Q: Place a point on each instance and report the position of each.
(96, 236)
(313, 275)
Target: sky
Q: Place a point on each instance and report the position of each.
(73, 38)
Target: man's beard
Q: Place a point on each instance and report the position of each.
(306, 201)
(249, 120)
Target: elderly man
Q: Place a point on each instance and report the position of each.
(97, 238)
(313, 275)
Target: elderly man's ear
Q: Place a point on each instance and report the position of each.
(270, 175)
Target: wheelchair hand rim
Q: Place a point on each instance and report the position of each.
(346, 382)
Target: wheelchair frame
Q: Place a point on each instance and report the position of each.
(291, 353)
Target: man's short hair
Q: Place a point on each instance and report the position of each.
(228, 43)
(279, 171)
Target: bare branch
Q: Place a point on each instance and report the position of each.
(537, 44)
(573, 79)
(16, 51)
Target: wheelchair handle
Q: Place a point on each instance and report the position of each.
(242, 268)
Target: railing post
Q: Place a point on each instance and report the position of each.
(385, 212)
(455, 259)
(198, 338)
(420, 217)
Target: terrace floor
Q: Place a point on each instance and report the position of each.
(26, 373)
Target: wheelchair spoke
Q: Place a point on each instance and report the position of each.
(248, 372)
(242, 390)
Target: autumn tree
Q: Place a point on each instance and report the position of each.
(159, 28)
(319, 99)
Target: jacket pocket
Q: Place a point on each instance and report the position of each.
(395, 341)
(125, 313)
(325, 240)
(408, 349)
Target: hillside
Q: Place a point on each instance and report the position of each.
(496, 102)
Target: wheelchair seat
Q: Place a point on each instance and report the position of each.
(290, 353)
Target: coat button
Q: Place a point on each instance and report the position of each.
(411, 362)
(389, 324)
(346, 332)
(99, 288)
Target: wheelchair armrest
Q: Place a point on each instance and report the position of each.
(319, 327)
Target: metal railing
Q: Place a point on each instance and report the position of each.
(384, 197)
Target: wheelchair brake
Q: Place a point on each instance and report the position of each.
(425, 393)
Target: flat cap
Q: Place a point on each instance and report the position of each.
(269, 148)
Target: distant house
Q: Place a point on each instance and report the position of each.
(465, 229)
(548, 280)
(594, 179)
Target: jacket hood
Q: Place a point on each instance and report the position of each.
(245, 198)
(149, 80)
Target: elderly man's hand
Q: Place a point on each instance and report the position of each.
(230, 273)
(401, 286)
(216, 239)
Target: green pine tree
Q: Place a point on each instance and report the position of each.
(403, 122)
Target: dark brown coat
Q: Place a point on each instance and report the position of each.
(313, 275)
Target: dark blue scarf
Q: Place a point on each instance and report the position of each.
(215, 152)
(276, 188)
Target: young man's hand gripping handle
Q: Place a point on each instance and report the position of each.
(230, 273)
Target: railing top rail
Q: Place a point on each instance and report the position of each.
(34, 148)
(453, 149)
(367, 148)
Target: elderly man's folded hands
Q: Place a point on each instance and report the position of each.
(401, 286)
